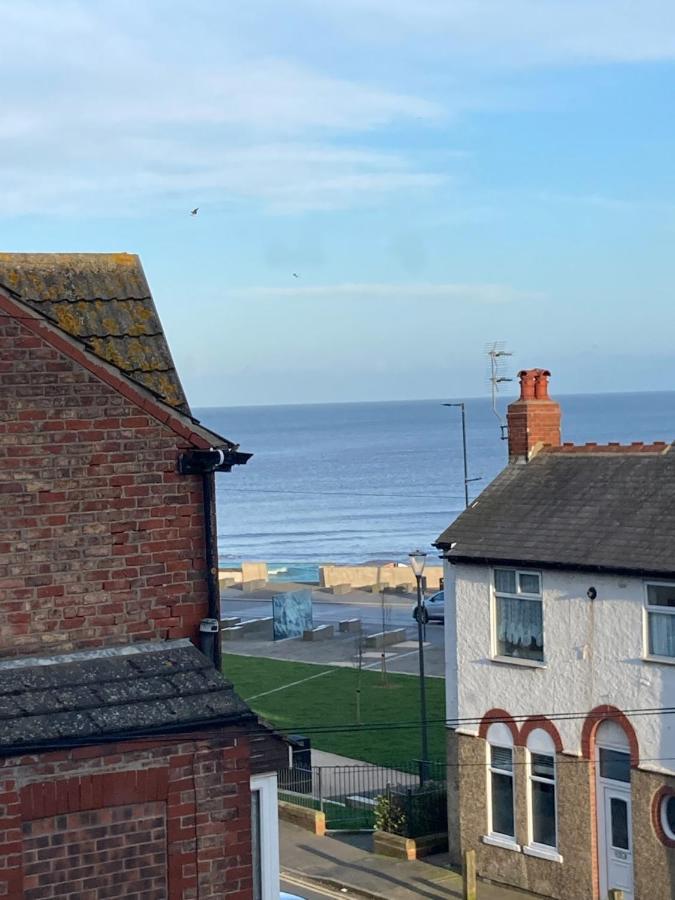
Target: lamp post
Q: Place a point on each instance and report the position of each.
(466, 468)
(417, 561)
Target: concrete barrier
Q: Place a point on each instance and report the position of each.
(232, 576)
(230, 621)
(385, 638)
(388, 576)
(350, 626)
(248, 587)
(254, 629)
(311, 819)
(253, 571)
(320, 633)
(408, 848)
(340, 588)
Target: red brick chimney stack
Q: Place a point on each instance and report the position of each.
(534, 419)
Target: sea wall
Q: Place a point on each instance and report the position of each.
(388, 576)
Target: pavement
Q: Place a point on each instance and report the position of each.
(343, 864)
(376, 615)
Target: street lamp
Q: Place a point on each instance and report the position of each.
(466, 468)
(417, 561)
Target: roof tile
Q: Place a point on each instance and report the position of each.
(611, 511)
(100, 693)
(103, 299)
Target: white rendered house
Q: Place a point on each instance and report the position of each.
(560, 664)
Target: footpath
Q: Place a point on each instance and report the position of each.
(346, 863)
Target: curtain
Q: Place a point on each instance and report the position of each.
(661, 634)
(519, 628)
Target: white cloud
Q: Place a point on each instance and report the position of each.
(467, 293)
(98, 112)
(120, 108)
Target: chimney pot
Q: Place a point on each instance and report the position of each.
(527, 377)
(541, 385)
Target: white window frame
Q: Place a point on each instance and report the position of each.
(663, 816)
(659, 610)
(539, 742)
(494, 594)
(499, 735)
(266, 785)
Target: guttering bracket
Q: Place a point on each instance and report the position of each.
(217, 459)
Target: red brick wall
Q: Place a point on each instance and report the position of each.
(532, 422)
(175, 815)
(101, 540)
(106, 853)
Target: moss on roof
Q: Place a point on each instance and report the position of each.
(102, 299)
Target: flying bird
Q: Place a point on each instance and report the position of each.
(193, 212)
(295, 275)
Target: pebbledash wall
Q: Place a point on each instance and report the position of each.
(102, 539)
(594, 651)
(177, 814)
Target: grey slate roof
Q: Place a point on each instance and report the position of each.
(97, 695)
(589, 510)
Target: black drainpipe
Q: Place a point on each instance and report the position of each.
(205, 463)
(209, 632)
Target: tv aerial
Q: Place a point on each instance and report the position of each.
(497, 357)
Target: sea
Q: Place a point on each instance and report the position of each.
(355, 482)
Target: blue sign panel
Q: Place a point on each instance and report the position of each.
(292, 613)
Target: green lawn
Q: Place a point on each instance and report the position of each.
(330, 700)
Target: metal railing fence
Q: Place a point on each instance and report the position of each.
(349, 795)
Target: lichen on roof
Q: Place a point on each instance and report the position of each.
(103, 300)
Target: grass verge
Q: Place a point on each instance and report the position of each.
(331, 700)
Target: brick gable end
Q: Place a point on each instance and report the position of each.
(101, 540)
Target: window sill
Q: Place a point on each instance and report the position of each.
(659, 660)
(514, 661)
(542, 852)
(498, 840)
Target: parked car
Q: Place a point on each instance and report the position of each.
(433, 609)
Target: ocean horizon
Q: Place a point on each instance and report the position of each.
(349, 482)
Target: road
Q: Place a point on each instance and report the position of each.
(298, 889)
(397, 612)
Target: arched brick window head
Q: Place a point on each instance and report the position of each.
(493, 716)
(599, 715)
(535, 722)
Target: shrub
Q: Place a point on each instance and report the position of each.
(389, 815)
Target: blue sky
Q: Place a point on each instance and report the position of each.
(439, 174)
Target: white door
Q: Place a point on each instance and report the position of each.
(615, 838)
(616, 844)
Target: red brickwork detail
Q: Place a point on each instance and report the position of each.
(102, 539)
(92, 791)
(498, 715)
(200, 786)
(11, 837)
(532, 423)
(100, 854)
(593, 720)
(591, 724)
(658, 447)
(657, 823)
(534, 419)
(532, 723)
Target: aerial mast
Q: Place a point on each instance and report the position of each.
(497, 357)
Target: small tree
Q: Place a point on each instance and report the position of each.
(389, 815)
